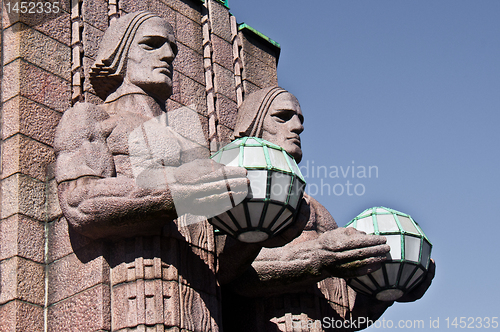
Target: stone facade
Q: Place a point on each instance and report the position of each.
(51, 278)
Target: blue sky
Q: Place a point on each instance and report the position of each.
(413, 88)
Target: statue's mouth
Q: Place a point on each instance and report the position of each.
(295, 140)
(165, 70)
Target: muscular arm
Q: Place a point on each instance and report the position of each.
(236, 257)
(99, 203)
(94, 200)
(113, 206)
(327, 254)
(296, 267)
(321, 251)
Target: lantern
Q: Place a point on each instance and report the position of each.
(407, 262)
(274, 196)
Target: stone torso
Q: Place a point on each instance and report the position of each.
(160, 281)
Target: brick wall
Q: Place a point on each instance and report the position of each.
(36, 89)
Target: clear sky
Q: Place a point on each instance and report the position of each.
(413, 88)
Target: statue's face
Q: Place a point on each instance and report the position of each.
(150, 57)
(283, 124)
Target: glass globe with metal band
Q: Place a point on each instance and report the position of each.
(276, 189)
(407, 262)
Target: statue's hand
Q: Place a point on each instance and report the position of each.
(347, 252)
(420, 290)
(204, 187)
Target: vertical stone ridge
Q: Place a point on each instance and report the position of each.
(237, 46)
(46, 279)
(76, 52)
(209, 77)
(48, 174)
(113, 10)
(1, 101)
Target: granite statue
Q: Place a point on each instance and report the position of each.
(124, 174)
(302, 274)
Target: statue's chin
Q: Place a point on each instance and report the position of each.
(295, 151)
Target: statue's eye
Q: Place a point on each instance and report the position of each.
(152, 42)
(283, 115)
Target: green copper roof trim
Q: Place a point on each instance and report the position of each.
(243, 26)
(224, 2)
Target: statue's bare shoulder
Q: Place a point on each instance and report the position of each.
(80, 144)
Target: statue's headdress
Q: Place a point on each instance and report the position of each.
(253, 111)
(108, 71)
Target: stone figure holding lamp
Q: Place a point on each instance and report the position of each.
(126, 176)
(133, 74)
(303, 277)
(123, 174)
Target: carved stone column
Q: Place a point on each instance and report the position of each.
(166, 282)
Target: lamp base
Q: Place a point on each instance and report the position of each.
(389, 294)
(253, 236)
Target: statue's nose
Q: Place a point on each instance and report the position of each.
(296, 125)
(167, 54)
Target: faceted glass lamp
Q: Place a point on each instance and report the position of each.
(274, 196)
(408, 260)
